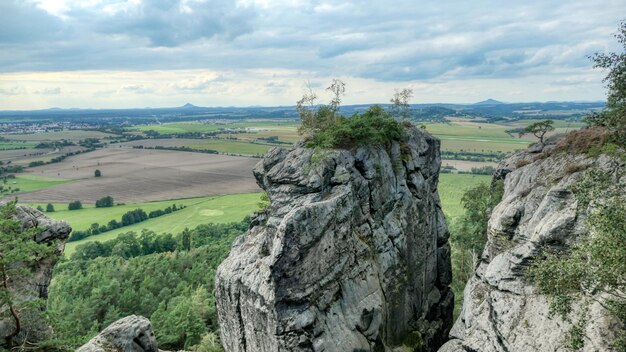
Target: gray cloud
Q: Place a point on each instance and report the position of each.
(410, 40)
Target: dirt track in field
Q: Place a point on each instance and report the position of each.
(139, 175)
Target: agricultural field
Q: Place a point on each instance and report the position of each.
(232, 146)
(72, 135)
(25, 156)
(221, 209)
(140, 175)
(30, 183)
(11, 145)
(202, 127)
(451, 189)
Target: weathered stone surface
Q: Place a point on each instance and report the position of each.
(130, 334)
(34, 326)
(501, 309)
(351, 256)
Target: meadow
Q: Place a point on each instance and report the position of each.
(220, 209)
(29, 183)
(4, 145)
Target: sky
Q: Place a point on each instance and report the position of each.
(165, 53)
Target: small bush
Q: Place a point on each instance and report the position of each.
(373, 127)
(75, 205)
(522, 162)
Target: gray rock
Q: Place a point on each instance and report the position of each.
(35, 286)
(130, 334)
(351, 256)
(501, 309)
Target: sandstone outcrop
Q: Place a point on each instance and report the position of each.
(352, 254)
(502, 311)
(35, 286)
(130, 334)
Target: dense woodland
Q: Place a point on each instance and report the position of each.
(167, 278)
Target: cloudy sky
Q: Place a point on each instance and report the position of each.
(139, 53)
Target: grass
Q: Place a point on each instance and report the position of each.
(451, 189)
(221, 209)
(16, 145)
(28, 182)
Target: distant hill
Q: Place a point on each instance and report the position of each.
(189, 106)
(489, 102)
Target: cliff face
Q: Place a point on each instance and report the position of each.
(352, 254)
(36, 285)
(501, 309)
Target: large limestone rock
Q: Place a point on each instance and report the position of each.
(130, 334)
(501, 309)
(352, 255)
(35, 286)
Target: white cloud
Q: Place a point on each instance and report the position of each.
(194, 48)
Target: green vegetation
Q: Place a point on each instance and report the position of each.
(373, 127)
(594, 265)
(75, 205)
(539, 129)
(18, 251)
(451, 190)
(105, 202)
(169, 279)
(469, 233)
(323, 126)
(30, 182)
(614, 117)
(11, 145)
(197, 211)
(49, 208)
(129, 218)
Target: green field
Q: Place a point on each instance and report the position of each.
(221, 209)
(4, 145)
(29, 182)
(451, 189)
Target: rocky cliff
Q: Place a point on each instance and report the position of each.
(502, 311)
(352, 254)
(36, 285)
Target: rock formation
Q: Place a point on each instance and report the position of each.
(36, 285)
(352, 254)
(501, 309)
(130, 334)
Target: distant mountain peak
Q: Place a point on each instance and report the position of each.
(489, 102)
(189, 106)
